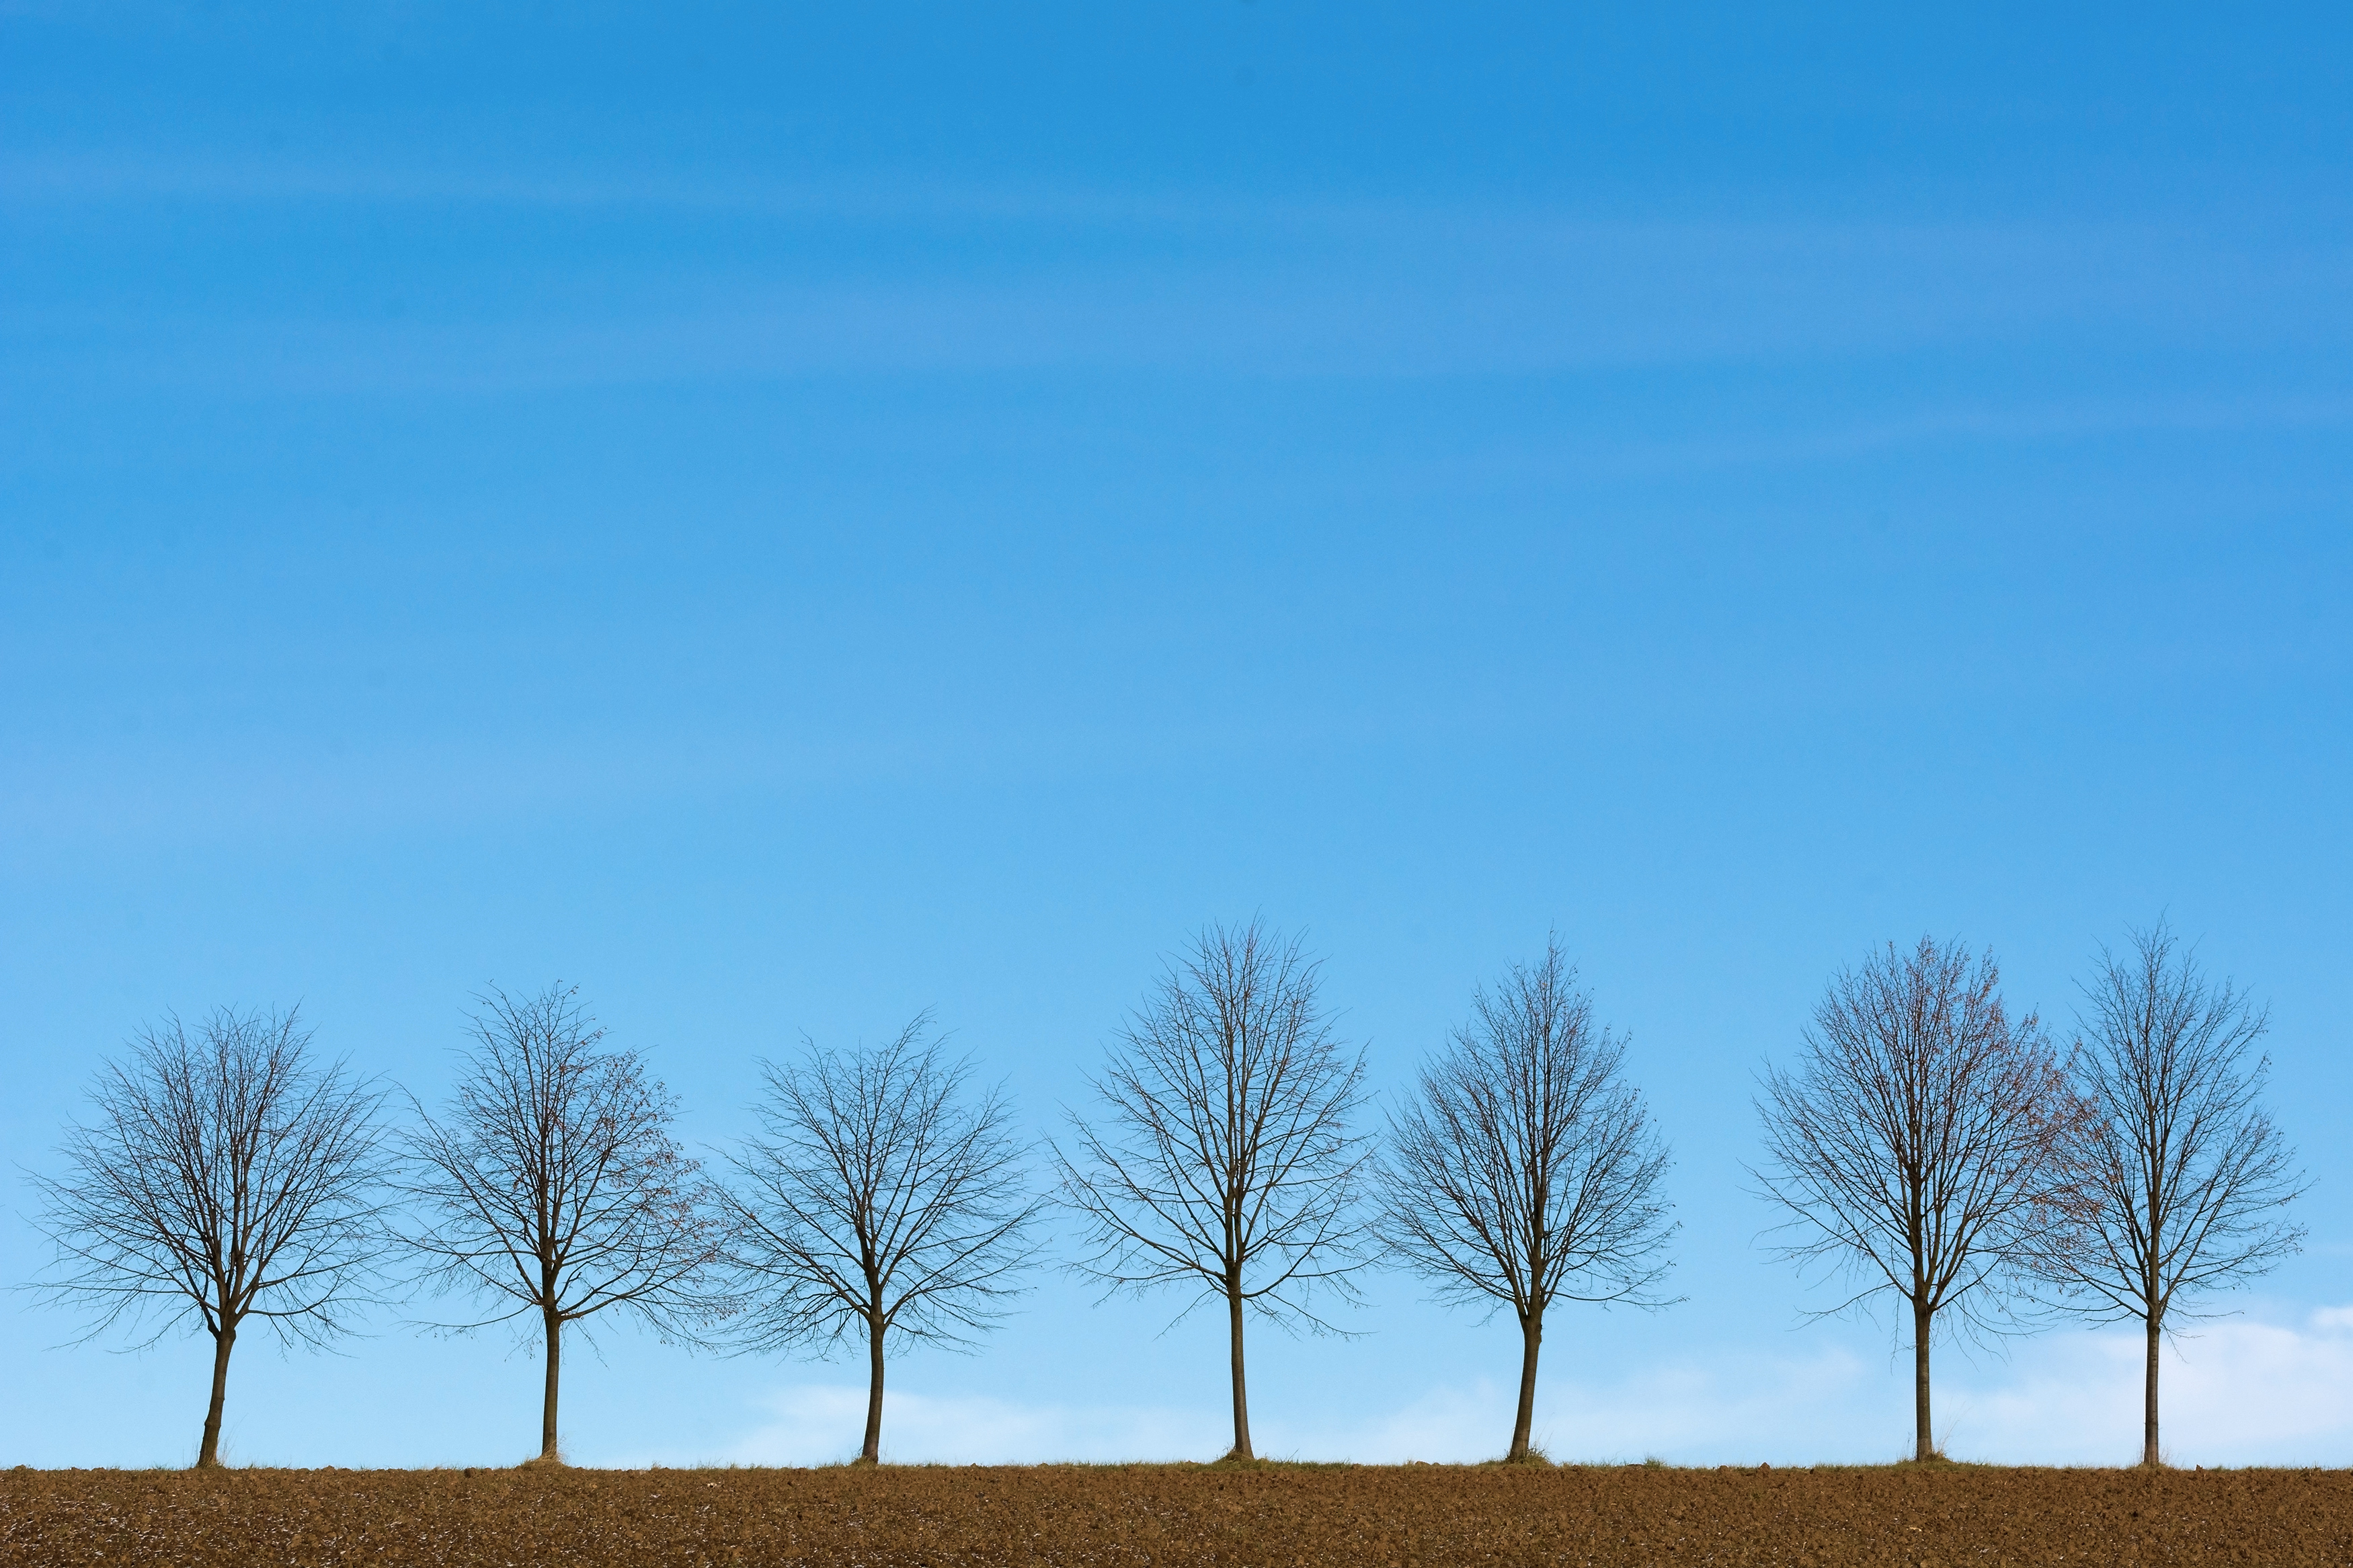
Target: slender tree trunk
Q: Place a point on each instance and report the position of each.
(2148, 1403)
(1531, 1339)
(554, 1325)
(1241, 1449)
(872, 1452)
(1923, 1441)
(209, 1452)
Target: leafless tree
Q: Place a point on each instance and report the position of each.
(225, 1178)
(1224, 1161)
(2183, 1175)
(882, 1201)
(1523, 1170)
(552, 1186)
(1918, 1142)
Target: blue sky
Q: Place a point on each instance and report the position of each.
(786, 518)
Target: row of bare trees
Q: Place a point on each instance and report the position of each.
(229, 1178)
(1924, 1142)
(1521, 1170)
(1928, 1145)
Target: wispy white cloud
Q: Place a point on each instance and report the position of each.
(815, 1423)
(2234, 1392)
(2239, 1393)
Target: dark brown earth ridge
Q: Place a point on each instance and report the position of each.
(1176, 1516)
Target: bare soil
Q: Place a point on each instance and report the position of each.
(1176, 1516)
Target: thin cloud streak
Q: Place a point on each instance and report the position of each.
(1611, 310)
(1088, 281)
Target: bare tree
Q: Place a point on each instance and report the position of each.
(2182, 1173)
(223, 1178)
(1525, 1170)
(1226, 1162)
(551, 1185)
(882, 1201)
(1919, 1141)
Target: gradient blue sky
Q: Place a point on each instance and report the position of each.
(790, 516)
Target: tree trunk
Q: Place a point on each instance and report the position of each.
(1241, 1449)
(1530, 1338)
(209, 1452)
(547, 1450)
(872, 1452)
(2148, 1403)
(1923, 1441)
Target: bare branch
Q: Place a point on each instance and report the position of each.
(1224, 1161)
(551, 1185)
(1525, 1170)
(223, 1179)
(2182, 1177)
(882, 1201)
(1918, 1144)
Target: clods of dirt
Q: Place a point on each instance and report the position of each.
(1179, 1516)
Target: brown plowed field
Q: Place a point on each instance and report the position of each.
(1170, 1516)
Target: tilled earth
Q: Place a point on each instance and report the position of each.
(1174, 1516)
